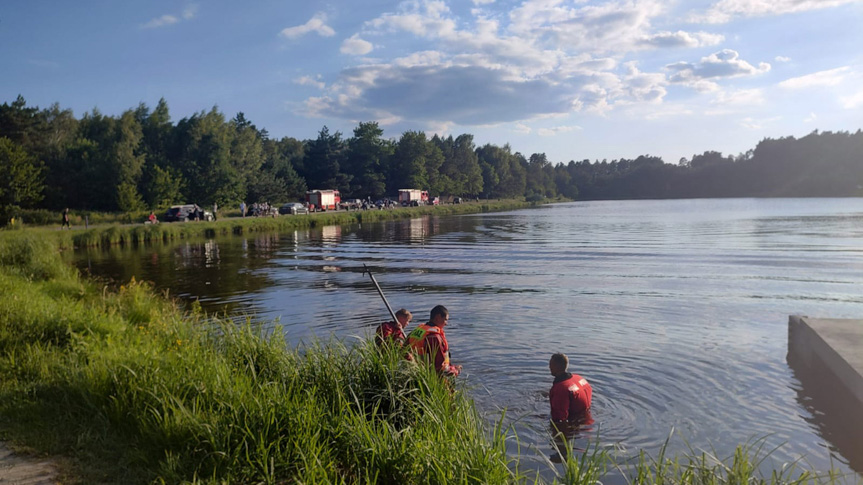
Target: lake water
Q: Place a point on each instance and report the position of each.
(675, 311)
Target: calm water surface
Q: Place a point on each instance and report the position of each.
(676, 311)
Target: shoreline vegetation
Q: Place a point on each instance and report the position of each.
(104, 235)
(141, 159)
(128, 387)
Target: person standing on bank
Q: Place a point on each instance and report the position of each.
(394, 331)
(67, 222)
(570, 394)
(429, 340)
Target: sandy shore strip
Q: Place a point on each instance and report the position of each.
(24, 470)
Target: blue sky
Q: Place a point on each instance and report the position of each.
(575, 79)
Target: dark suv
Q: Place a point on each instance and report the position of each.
(187, 212)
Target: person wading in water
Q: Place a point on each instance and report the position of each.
(429, 341)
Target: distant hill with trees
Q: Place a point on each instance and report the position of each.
(141, 159)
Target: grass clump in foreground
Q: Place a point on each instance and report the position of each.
(133, 390)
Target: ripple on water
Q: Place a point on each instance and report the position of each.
(675, 311)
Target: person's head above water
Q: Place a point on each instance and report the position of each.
(403, 317)
(558, 364)
(439, 316)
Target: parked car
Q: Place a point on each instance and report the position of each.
(293, 208)
(187, 212)
(350, 204)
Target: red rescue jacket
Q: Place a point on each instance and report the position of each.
(430, 340)
(569, 397)
(389, 331)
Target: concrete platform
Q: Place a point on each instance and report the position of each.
(836, 344)
(826, 356)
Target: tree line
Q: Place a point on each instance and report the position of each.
(142, 160)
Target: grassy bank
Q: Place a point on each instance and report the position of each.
(136, 391)
(133, 390)
(110, 234)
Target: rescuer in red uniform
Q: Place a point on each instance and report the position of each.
(429, 340)
(394, 331)
(570, 394)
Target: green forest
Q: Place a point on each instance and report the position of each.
(49, 159)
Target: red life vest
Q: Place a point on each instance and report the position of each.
(417, 338)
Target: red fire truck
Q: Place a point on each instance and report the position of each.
(413, 197)
(323, 200)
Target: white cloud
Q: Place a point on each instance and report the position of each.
(741, 97)
(782, 59)
(482, 2)
(661, 112)
(557, 130)
(726, 10)
(169, 19)
(723, 64)
(812, 117)
(424, 19)
(827, 78)
(440, 129)
(648, 87)
(354, 45)
(317, 24)
(310, 81)
(615, 26)
(757, 124)
(682, 39)
(522, 128)
(854, 101)
(438, 93)
(160, 22)
(190, 12)
(546, 58)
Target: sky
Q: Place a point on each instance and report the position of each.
(574, 79)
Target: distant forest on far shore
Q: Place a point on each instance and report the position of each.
(142, 160)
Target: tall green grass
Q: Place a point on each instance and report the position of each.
(134, 390)
(743, 466)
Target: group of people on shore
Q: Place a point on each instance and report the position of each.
(570, 395)
(258, 209)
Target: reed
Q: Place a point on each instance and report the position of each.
(134, 390)
(744, 465)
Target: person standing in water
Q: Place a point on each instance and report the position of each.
(394, 331)
(429, 341)
(570, 394)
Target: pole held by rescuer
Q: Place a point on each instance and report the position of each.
(380, 291)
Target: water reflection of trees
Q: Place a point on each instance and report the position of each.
(413, 231)
(210, 271)
(223, 273)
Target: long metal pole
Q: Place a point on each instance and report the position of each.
(380, 291)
